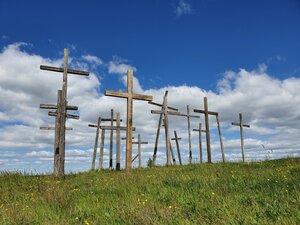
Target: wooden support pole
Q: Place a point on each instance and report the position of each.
(139, 150)
(111, 140)
(53, 128)
(200, 140)
(189, 133)
(118, 144)
(207, 130)
(177, 146)
(135, 157)
(101, 149)
(57, 135)
(166, 123)
(172, 153)
(220, 137)
(96, 143)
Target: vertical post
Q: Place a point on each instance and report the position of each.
(118, 144)
(156, 139)
(96, 143)
(166, 123)
(207, 130)
(200, 142)
(61, 172)
(129, 121)
(111, 140)
(139, 150)
(178, 149)
(57, 134)
(220, 137)
(189, 133)
(101, 149)
(172, 153)
(242, 136)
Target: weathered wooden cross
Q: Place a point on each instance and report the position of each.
(139, 143)
(206, 113)
(163, 106)
(241, 125)
(199, 130)
(102, 139)
(63, 115)
(129, 95)
(177, 146)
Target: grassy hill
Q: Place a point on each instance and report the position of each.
(232, 193)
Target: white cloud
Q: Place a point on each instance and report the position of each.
(92, 59)
(183, 8)
(271, 106)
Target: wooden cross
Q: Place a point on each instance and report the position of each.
(56, 128)
(139, 143)
(177, 146)
(241, 125)
(129, 95)
(62, 118)
(160, 123)
(97, 137)
(188, 116)
(206, 113)
(200, 140)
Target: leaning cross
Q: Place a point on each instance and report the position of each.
(200, 140)
(241, 125)
(206, 113)
(129, 95)
(139, 143)
(177, 145)
(159, 124)
(62, 122)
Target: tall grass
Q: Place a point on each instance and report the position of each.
(232, 193)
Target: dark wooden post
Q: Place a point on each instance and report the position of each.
(118, 144)
(200, 140)
(101, 149)
(129, 95)
(111, 140)
(220, 137)
(139, 143)
(241, 125)
(177, 146)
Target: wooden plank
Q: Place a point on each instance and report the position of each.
(244, 125)
(177, 146)
(101, 150)
(207, 130)
(61, 70)
(172, 153)
(118, 144)
(116, 94)
(160, 105)
(53, 128)
(169, 112)
(220, 137)
(200, 142)
(166, 123)
(111, 140)
(96, 144)
(135, 157)
(129, 121)
(139, 150)
(203, 111)
(69, 116)
(124, 138)
(51, 106)
(56, 160)
(114, 128)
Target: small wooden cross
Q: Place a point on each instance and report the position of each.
(129, 95)
(139, 143)
(241, 125)
(62, 117)
(177, 146)
(188, 116)
(206, 113)
(200, 140)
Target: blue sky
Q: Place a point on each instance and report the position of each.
(176, 43)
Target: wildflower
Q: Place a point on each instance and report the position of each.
(213, 193)
(76, 218)
(170, 207)
(268, 179)
(86, 222)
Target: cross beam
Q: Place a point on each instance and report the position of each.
(177, 146)
(130, 96)
(206, 114)
(53, 128)
(200, 140)
(51, 106)
(62, 117)
(241, 125)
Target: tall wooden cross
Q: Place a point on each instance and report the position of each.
(206, 113)
(139, 143)
(102, 138)
(176, 138)
(62, 123)
(160, 123)
(56, 128)
(188, 116)
(199, 130)
(241, 125)
(129, 95)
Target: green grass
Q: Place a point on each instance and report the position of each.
(232, 193)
